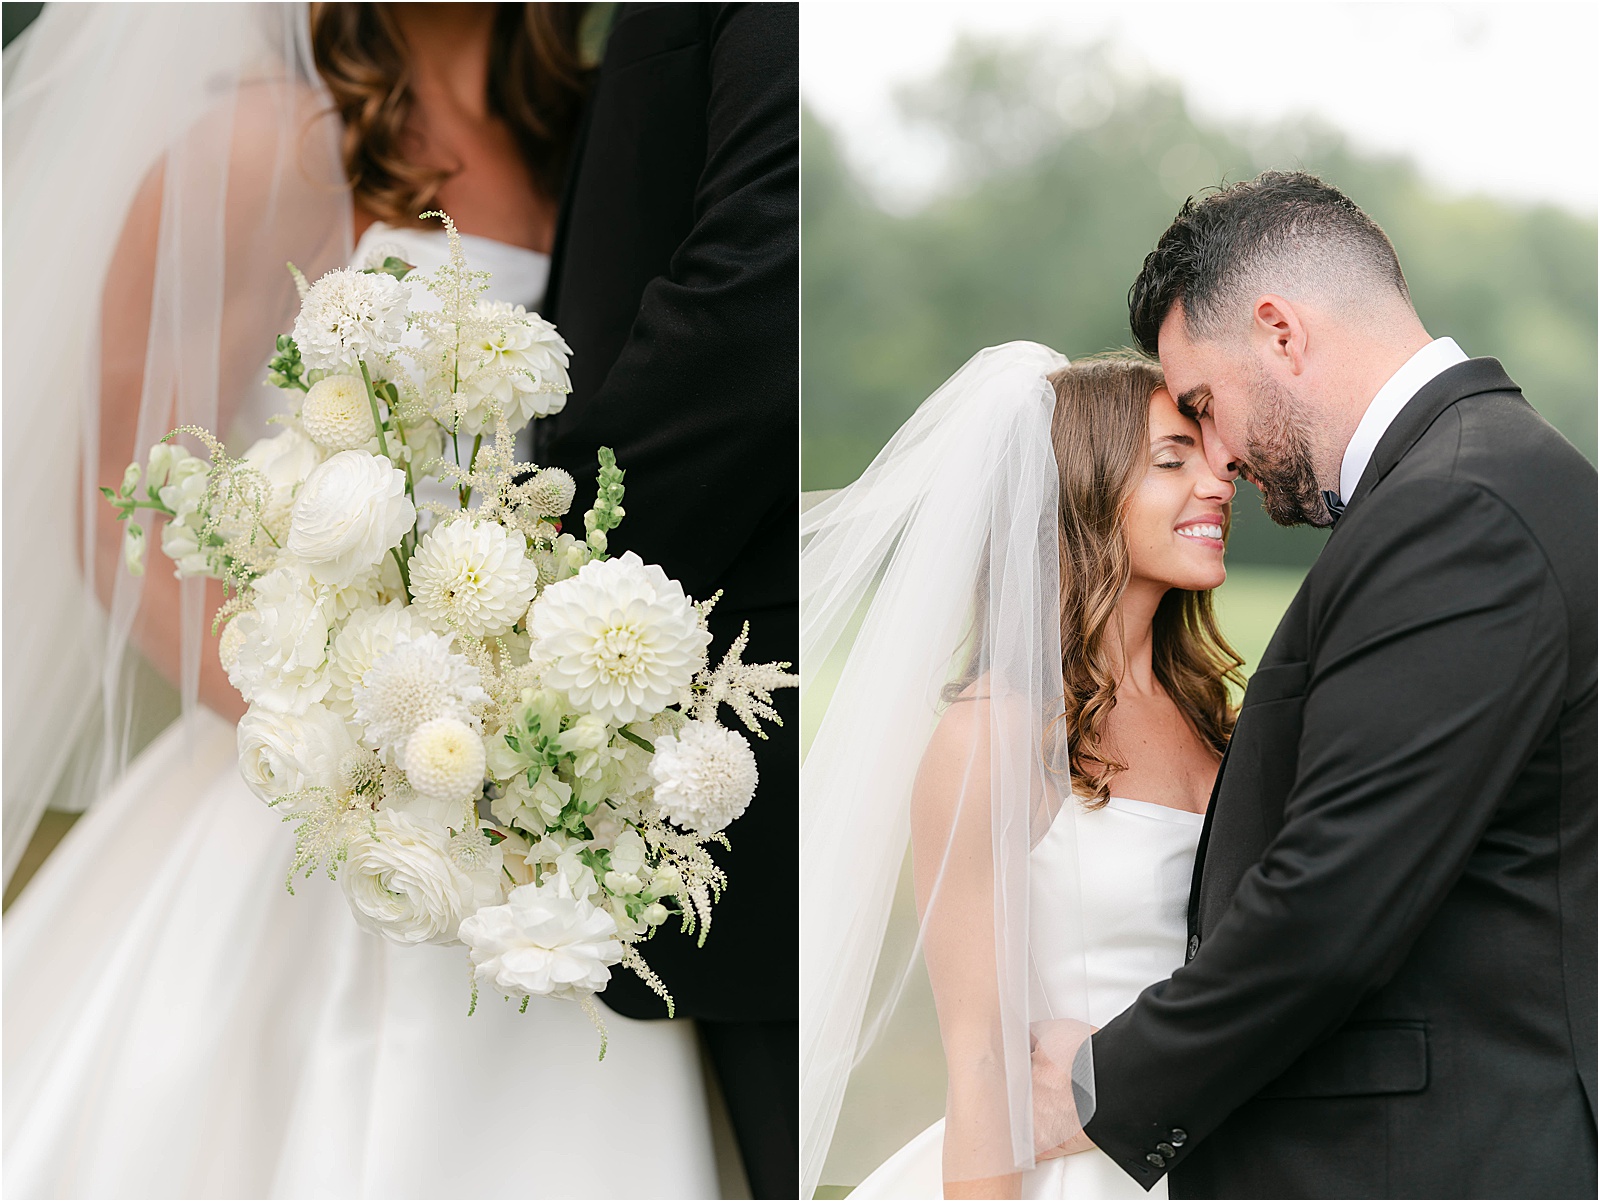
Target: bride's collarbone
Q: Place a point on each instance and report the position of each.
(1168, 763)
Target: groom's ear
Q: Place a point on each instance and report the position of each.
(1278, 330)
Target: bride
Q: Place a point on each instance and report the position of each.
(1031, 691)
(176, 1024)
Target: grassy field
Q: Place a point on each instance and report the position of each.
(898, 1090)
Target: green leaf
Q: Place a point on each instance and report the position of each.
(636, 740)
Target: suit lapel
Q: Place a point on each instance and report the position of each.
(1433, 398)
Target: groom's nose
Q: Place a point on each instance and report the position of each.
(1223, 463)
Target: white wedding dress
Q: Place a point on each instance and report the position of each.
(1134, 864)
(177, 1025)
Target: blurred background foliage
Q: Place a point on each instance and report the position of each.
(1062, 175)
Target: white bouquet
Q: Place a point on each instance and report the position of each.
(490, 732)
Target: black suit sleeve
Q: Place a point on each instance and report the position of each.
(1440, 660)
(701, 406)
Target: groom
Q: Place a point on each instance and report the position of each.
(675, 279)
(1390, 979)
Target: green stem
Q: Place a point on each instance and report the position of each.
(466, 492)
(405, 576)
(372, 399)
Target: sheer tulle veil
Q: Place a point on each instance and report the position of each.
(162, 164)
(931, 650)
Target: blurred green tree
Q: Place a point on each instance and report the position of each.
(1060, 175)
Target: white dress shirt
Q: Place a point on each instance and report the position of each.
(1416, 371)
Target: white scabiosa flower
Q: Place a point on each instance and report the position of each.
(705, 776)
(337, 414)
(281, 753)
(421, 679)
(542, 942)
(620, 639)
(350, 511)
(349, 316)
(402, 882)
(280, 648)
(445, 760)
(473, 577)
(366, 637)
(521, 366)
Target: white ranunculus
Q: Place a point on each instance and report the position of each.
(420, 679)
(521, 365)
(445, 760)
(281, 753)
(285, 460)
(402, 883)
(366, 637)
(620, 639)
(337, 413)
(282, 643)
(705, 776)
(350, 512)
(349, 316)
(473, 577)
(542, 942)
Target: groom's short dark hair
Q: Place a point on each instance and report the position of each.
(1242, 237)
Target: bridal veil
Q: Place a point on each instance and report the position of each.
(162, 163)
(931, 670)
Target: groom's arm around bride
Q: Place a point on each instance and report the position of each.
(1390, 986)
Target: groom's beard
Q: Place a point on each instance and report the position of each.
(1278, 459)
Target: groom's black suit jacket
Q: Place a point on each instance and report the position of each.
(1390, 987)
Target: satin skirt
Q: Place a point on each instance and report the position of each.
(915, 1171)
(177, 1025)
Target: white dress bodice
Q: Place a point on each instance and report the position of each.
(1127, 881)
(520, 275)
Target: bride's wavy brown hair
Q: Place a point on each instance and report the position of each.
(537, 81)
(1101, 435)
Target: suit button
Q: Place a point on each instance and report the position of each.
(1177, 1137)
(1167, 1150)
(1194, 946)
(1156, 1160)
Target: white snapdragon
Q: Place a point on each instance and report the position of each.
(705, 776)
(620, 639)
(350, 316)
(473, 577)
(351, 510)
(281, 754)
(403, 884)
(542, 942)
(281, 643)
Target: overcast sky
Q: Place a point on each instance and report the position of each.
(1499, 98)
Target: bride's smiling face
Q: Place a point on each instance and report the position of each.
(1176, 517)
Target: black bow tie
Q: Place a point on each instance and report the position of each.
(1335, 505)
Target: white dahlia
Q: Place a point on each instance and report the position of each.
(473, 577)
(337, 414)
(402, 882)
(521, 365)
(365, 638)
(349, 512)
(350, 315)
(445, 760)
(279, 650)
(542, 942)
(620, 639)
(705, 776)
(419, 680)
